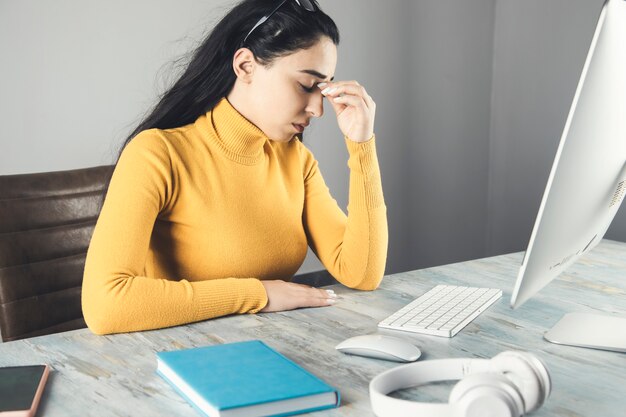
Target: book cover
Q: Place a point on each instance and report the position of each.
(244, 379)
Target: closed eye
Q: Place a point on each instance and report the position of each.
(307, 89)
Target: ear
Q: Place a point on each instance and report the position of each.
(244, 64)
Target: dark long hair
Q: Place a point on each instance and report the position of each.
(209, 76)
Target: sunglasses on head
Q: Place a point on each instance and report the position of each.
(308, 5)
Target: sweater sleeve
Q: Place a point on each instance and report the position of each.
(116, 294)
(353, 248)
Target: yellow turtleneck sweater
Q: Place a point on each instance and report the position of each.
(196, 216)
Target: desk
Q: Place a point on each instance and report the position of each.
(115, 375)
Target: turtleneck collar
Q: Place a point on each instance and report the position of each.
(241, 139)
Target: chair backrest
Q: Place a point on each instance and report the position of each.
(46, 223)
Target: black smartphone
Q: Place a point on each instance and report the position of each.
(21, 388)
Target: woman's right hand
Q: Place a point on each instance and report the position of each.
(283, 296)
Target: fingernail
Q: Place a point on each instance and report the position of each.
(331, 301)
(329, 90)
(330, 291)
(337, 98)
(322, 85)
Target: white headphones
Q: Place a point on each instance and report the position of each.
(510, 384)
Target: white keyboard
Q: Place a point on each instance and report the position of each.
(442, 311)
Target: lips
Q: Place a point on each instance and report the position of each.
(300, 126)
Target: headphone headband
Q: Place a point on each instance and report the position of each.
(420, 373)
(512, 383)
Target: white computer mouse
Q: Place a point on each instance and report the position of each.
(380, 347)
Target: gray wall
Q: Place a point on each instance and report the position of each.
(77, 74)
(471, 95)
(450, 85)
(373, 51)
(539, 51)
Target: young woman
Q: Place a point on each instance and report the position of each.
(214, 198)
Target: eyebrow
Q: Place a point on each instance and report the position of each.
(316, 74)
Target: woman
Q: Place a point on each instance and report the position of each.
(214, 197)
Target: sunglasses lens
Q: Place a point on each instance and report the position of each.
(307, 4)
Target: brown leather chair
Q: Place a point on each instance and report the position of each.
(46, 222)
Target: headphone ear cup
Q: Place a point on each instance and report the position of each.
(528, 373)
(486, 394)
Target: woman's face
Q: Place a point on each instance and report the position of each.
(285, 94)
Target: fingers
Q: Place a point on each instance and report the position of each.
(351, 100)
(288, 296)
(320, 292)
(329, 296)
(354, 107)
(348, 88)
(317, 297)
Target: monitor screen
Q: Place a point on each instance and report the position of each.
(588, 179)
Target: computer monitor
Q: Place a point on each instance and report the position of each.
(586, 185)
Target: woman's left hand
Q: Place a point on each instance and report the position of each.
(355, 109)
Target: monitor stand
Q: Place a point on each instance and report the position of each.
(594, 331)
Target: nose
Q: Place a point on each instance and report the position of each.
(315, 106)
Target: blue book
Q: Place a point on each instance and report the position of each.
(244, 379)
